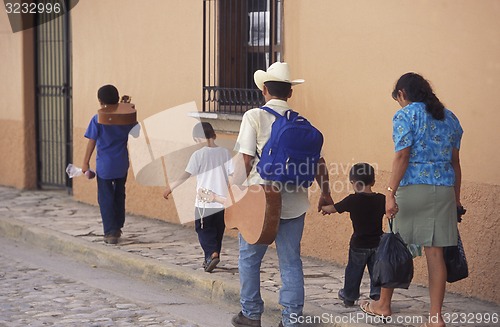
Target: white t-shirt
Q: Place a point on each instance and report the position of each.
(255, 131)
(211, 166)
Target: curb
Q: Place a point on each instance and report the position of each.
(108, 257)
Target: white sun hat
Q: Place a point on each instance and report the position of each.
(277, 72)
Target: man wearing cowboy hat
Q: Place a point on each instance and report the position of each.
(255, 130)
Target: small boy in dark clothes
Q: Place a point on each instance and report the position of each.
(366, 210)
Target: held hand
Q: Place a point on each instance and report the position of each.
(85, 167)
(90, 174)
(328, 210)
(391, 207)
(460, 212)
(325, 200)
(206, 195)
(167, 192)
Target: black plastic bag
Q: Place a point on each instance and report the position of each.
(393, 266)
(456, 263)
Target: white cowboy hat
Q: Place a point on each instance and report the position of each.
(277, 72)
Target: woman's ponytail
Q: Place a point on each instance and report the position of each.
(434, 107)
(418, 89)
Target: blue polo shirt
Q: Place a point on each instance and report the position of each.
(111, 143)
(432, 142)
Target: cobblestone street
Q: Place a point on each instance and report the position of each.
(33, 295)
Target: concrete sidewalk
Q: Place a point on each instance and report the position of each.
(156, 250)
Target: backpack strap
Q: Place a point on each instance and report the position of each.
(271, 111)
(289, 113)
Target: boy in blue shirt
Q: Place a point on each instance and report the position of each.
(112, 164)
(366, 210)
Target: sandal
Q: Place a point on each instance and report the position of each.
(365, 307)
(211, 263)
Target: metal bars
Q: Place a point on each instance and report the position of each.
(53, 99)
(240, 37)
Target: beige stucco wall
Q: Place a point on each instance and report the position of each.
(151, 51)
(17, 138)
(349, 52)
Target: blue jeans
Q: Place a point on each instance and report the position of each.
(111, 198)
(358, 259)
(291, 295)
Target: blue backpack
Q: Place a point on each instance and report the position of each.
(293, 150)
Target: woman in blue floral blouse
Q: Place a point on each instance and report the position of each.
(424, 188)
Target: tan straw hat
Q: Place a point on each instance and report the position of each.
(277, 72)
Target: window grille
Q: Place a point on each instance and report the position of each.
(240, 37)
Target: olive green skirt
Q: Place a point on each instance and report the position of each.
(427, 215)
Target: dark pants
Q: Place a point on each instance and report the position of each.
(210, 229)
(358, 260)
(111, 198)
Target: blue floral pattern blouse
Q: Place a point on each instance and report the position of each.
(431, 142)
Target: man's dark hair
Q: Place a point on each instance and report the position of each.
(362, 172)
(108, 94)
(278, 89)
(203, 130)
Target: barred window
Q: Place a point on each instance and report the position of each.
(240, 37)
